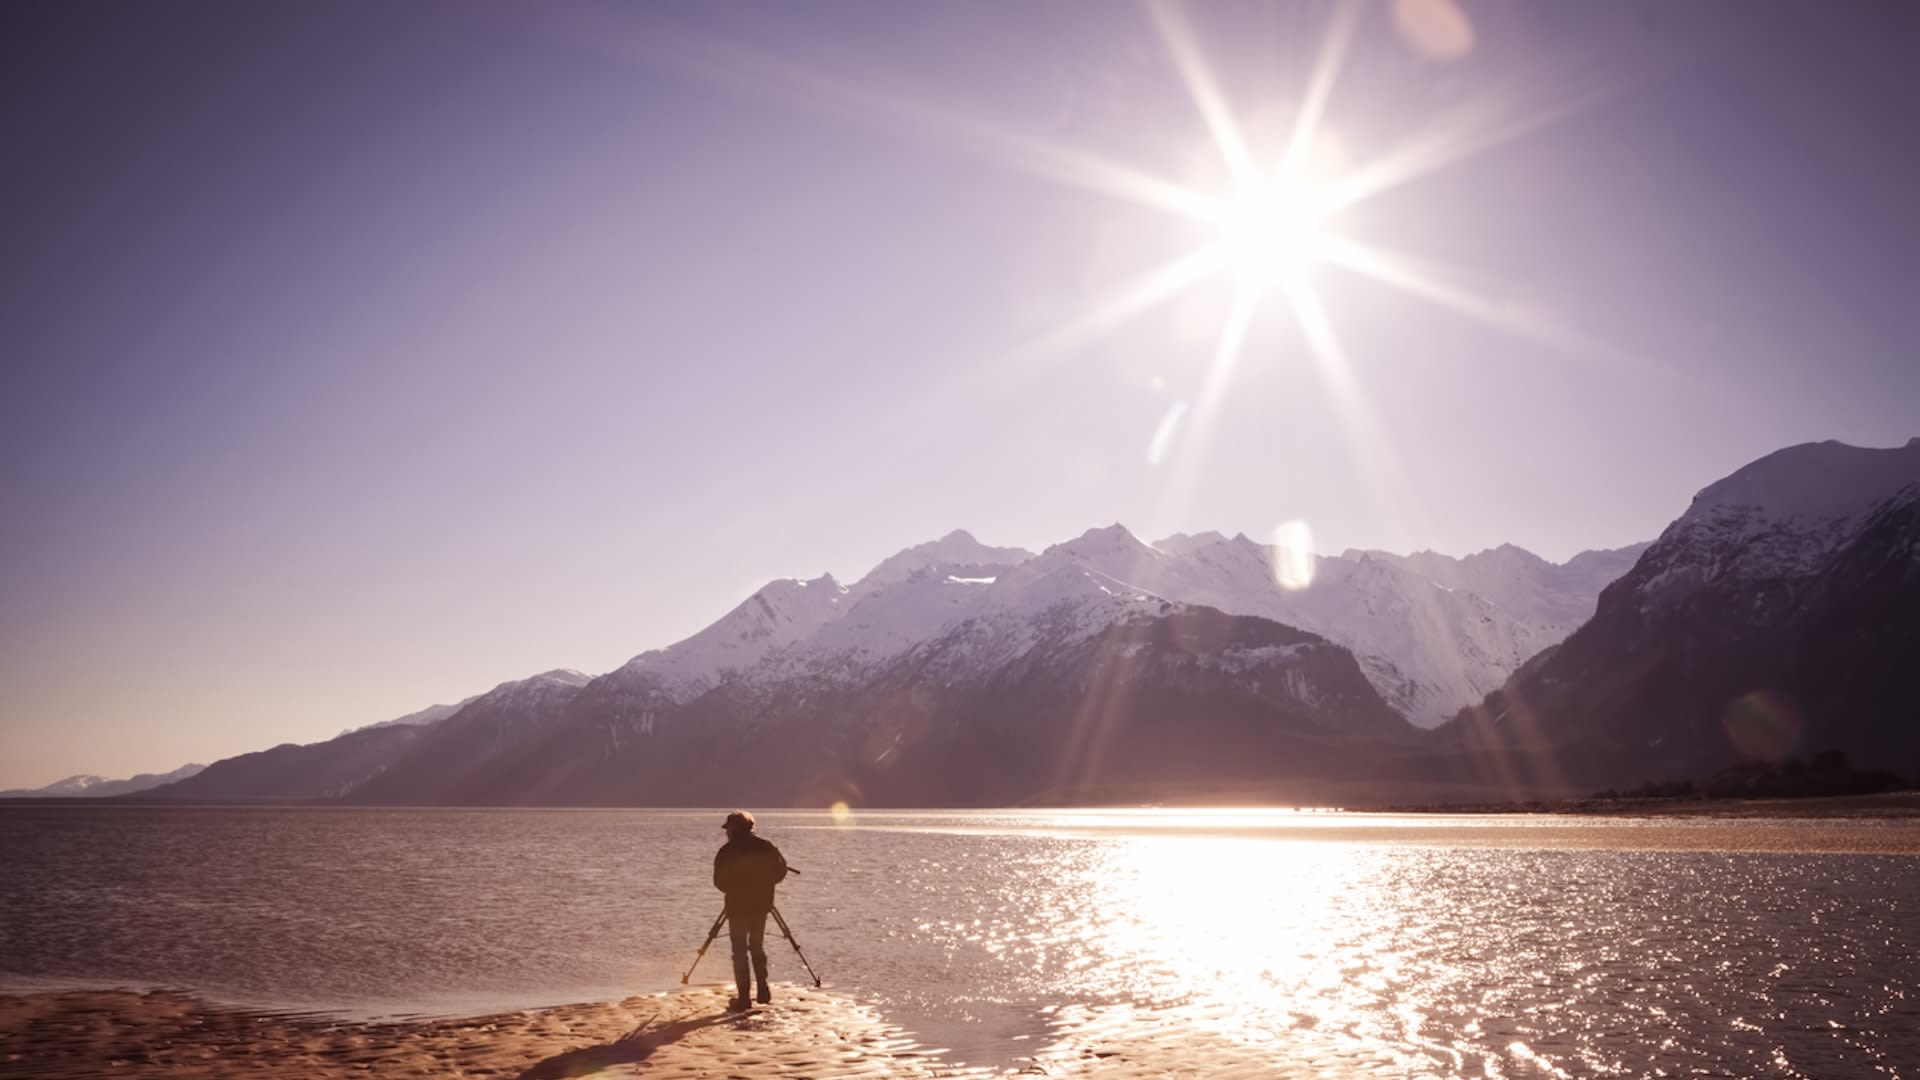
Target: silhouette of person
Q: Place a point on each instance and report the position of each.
(746, 869)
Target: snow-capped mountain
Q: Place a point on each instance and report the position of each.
(537, 691)
(1157, 701)
(956, 625)
(1429, 647)
(1552, 600)
(1778, 519)
(774, 618)
(957, 548)
(89, 786)
(1779, 615)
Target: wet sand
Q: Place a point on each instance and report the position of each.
(686, 1034)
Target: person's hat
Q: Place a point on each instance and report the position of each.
(739, 819)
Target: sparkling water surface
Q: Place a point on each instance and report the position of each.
(1452, 945)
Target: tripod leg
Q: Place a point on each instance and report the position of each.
(711, 934)
(787, 932)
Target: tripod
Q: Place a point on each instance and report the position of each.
(779, 920)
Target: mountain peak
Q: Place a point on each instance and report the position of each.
(1183, 543)
(1509, 553)
(1114, 535)
(557, 676)
(957, 548)
(1813, 480)
(784, 586)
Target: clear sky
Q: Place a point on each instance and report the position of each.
(361, 356)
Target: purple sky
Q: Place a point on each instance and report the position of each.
(362, 356)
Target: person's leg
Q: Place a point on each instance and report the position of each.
(738, 928)
(757, 948)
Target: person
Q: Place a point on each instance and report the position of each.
(746, 869)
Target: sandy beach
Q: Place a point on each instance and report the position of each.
(805, 1033)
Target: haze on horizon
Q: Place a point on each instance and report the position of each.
(362, 358)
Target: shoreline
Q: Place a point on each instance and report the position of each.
(1886, 805)
(1891, 804)
(677, 1034)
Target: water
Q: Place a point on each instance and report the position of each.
(1448, 946)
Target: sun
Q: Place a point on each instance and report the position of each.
(1272, 230)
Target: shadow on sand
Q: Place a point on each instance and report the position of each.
(630, 1049)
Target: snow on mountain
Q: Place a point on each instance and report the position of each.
(887, 620)
(1001, 601)
(957, 548)
(68, 787)
(1183, 544)
(1429, 648)
(778, 615)
(911, 595)
(1778, 616)
(535, 690)
(958, 621)
(87, 785)
(1114, 552)
(1811, 481)
(1551, 599)
(1778, 518)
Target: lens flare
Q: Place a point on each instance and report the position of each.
(1293, 555)
(842, 814)
(1437, 29)
(1763, 726)
(1164, 434)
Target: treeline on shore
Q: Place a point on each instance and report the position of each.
(1825, 774)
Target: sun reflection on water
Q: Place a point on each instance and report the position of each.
(1302, 939)
(1284, 943)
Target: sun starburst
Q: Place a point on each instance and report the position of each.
(1270, 227)
(1272, 230)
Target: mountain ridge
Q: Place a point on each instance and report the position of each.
(1777, 617)
(956, 623)
(90, 786)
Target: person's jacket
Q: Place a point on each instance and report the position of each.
(746, 868)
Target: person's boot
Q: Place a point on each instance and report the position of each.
(740, 1002)
(764, 996)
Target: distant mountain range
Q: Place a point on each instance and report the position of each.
(1105, 668)
(947, 630)
(87, 785)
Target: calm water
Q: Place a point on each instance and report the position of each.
(1451, 946)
